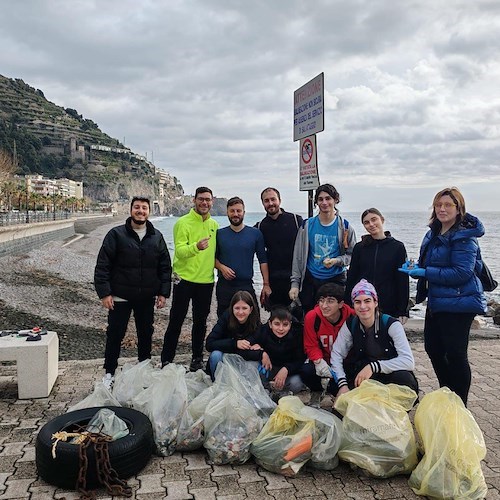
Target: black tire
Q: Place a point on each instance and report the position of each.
(128, 455)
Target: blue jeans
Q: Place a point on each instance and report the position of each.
(213, 360)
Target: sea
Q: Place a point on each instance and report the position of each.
(408, 227)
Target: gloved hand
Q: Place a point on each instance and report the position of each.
(403, 319)
(263, 371)
(293, 293)
(323, 369)
(412, 269)
(408, 266)
(417, 272)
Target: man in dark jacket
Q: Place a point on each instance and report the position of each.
(133, 267)
(280, 230)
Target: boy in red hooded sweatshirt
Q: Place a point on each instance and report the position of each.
(321, 327)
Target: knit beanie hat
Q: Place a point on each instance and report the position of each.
(364, 288)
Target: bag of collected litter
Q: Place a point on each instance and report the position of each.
(164, 402)
(106, 422)
(377, 433)
(233, 373)
(453, 447)
(327, 438)
(192, 427)
(284, 445)
(101, 396)
(131, 380)
(196, 383)
(231, 424)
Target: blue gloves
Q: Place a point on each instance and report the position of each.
(412, 269)
(419, 272)
(263, 371)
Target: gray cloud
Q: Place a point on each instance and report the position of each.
(410, 89)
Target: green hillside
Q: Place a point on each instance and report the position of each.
(59, 142)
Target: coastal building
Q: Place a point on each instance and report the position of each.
(43, 186)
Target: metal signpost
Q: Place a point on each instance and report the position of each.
(308, 120)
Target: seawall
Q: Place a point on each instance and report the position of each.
(23, 238)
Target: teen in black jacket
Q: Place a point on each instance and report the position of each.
(376, 258)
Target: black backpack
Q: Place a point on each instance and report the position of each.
(486, 279)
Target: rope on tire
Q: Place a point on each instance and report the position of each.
(106, 475)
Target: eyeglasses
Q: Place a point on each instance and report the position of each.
(447, 205)
(327, 300)
(201, 200)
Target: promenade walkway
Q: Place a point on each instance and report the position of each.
(189, 476)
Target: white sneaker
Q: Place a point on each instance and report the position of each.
(108, 381)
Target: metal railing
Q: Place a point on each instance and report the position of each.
(17, 218)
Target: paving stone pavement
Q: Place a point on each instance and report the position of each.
(190, 476)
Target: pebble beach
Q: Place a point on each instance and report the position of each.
(53, 287)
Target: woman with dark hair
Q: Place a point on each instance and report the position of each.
(232, 330)
(322, 250)
(447, 272)
(377, 258)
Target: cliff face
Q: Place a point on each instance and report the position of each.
(58, 142)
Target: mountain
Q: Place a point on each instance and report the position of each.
(59, 142)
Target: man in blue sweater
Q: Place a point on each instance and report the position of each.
(236, 246)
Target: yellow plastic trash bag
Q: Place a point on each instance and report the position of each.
(377, 433)
(285, 442)
(453, 448)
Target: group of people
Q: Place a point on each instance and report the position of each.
(352, 296)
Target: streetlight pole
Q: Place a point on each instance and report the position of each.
(27, 205)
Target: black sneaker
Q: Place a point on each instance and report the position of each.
(196, 364)
(165, 363)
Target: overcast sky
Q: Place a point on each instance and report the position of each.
(412, 100)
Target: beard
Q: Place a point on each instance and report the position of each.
(235, 221)
(139, 222)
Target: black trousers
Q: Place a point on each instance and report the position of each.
(311, 285)
(446, 337)
(225, 290)
(118, 319)
(200, 295)
(279, 291)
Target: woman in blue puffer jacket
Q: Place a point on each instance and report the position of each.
(449, 265)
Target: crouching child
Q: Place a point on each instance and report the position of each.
(280, 344)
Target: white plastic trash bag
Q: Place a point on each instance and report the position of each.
(196, 383)
(192, 427)
(164, 402)
(106, 422)
(131, 380)
(233, 373)
(101, 396)
(231, 424)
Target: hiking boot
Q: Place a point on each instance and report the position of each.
(108, 381)
(316, 398)
(196, 364)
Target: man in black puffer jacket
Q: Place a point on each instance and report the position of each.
(133, 267)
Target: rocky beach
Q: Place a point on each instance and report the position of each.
(53, 287)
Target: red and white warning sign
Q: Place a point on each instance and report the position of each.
(308, 164)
